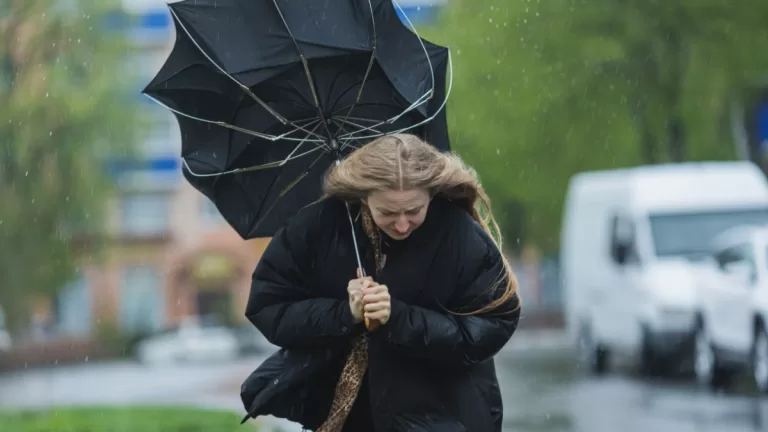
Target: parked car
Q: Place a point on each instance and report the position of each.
(195, 339)
(629, 243)
(5, 337)
(731, 332)
(252, 341)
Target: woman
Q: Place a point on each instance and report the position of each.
(439, 297)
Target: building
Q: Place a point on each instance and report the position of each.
(171, 254)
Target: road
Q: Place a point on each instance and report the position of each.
(551, 394)
(544, 391)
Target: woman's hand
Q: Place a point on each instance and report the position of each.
(355, 290)
(376, 304)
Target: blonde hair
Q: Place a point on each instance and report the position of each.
(403, 161)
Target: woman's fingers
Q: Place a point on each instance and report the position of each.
(375, 298)
(381, 315)
(359, 284)
(374, 289)
(375, 307)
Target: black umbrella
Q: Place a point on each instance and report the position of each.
(270, 93)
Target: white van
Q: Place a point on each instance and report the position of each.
(629, 242)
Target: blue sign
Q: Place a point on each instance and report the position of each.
(166, 164)
(417, 14)
(155, 20)
(761, 124)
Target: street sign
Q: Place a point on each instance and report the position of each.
(761, 124)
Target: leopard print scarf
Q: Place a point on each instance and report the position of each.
(356, 365)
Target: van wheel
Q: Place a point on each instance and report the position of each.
(651, 365)
(709, 373)
(591, 353)
(760, 360)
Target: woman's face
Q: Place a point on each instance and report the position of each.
(399, 212)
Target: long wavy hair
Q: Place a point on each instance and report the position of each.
(404, 161)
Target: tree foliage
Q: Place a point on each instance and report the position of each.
(64, 105)
(545, 89)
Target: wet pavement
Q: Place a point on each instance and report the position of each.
(552, 394)
(544, 391)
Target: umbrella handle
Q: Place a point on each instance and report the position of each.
(370, 325)
(360, 272)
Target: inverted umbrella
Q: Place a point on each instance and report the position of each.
(269, 93)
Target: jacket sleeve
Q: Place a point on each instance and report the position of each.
(281, 305)
(454, 340)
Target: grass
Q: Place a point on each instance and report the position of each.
(109, 419)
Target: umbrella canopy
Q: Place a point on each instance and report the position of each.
(270, 93)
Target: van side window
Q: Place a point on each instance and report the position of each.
(622, 239)
(729, 255)
(741, 253)
(738, 257)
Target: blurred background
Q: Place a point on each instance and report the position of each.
(624, 144)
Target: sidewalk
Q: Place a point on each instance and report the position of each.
(538, 342)
(208, 386)
(524, 342)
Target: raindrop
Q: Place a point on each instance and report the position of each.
(46, 94)
(490, 20)
(50, 133)
(26, 174)
(78, 41)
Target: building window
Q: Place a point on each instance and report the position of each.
(142, 300)
(145, 214)
(164, 137)
(74, 313)
(209, 213)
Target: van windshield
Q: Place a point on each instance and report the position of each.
(690, 234)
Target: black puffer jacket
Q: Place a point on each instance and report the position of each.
(428, 370)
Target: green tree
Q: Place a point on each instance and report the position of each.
(675, 62)
(65, 103)
(545, 89)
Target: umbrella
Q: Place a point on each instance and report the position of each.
(269, 93)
